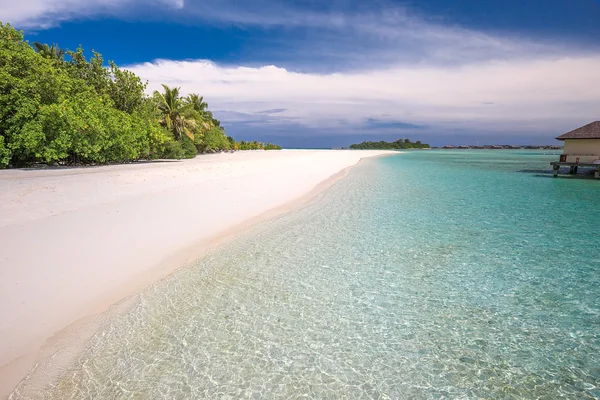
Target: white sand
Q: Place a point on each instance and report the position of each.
(75, 241)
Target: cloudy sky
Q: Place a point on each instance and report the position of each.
(309, 73)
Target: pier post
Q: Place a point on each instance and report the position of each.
(571, 170)
(597, 174)
(556, 168)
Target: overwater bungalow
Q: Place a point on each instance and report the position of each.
(581, 149)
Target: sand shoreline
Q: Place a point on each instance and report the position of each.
(245, 188)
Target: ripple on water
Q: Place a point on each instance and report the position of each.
(426, 275)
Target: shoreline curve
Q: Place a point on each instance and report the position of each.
(27, 371)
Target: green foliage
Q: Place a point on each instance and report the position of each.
(161, 144)
(28, 83)
(196, 102)
(232, 143)
(52, 52)
(125, 89)
(173, 109)
(188, 148)
(92, 73)
(80, 129)
(4, 154)
(255, 145)
(396, 145)
(74, 110)
(173, 150)
(214, 140)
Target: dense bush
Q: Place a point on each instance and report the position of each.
(188, 148)
(161, 143)
(214, 140)
(64, 111)
(396, 145)
(4, 154)
(243, 145)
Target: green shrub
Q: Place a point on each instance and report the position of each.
(159, 139)
(214, 140)
(172, 150)
(4, 154)
(188, 147)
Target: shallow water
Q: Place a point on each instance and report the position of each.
(428, 275)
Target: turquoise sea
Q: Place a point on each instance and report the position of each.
(426, 275)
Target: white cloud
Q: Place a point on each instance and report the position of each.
(40, 14)
(342, 37)
(392, 65)
(383, 32)
(395, 66)
(533, 94)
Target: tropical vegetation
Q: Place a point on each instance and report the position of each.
(57, 107)
(395, 145)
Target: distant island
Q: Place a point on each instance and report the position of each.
(57, 107)
(396, 145)
(502, 147)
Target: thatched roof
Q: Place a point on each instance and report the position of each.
(590, 131)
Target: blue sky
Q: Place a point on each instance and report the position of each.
(313, 73)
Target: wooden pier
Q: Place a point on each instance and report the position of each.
(573, 167)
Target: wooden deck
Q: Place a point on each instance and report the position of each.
(573, 167)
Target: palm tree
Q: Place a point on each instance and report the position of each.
(172, 106)
(196, 102)
(210, 121)
(52, 52)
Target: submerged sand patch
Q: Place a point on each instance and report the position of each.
(76, 241)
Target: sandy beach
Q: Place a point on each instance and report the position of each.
(75, 241)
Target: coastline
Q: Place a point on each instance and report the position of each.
(318, 171)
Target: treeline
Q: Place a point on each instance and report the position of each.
(396, 145)
(243, 145)
(57, 107)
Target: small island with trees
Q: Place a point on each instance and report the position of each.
(58, 108)
(400, 144)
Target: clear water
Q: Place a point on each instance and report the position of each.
(428, 275)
